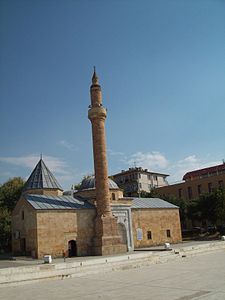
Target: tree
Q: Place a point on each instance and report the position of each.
(10, 192)
(210, 207)
(5, 229)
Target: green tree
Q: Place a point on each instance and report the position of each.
(220, 206)
(5, 229)
(10, 192)
(210, 207)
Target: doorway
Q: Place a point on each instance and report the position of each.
(72, 248)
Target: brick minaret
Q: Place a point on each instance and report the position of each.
(107, 239)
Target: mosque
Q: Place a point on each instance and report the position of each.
(96, 219)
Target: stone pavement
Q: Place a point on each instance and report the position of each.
(194, 277)
(26, 261)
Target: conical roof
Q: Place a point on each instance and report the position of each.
(41, 178)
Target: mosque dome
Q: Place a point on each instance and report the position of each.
(89, 183)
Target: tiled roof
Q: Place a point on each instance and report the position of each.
(205, 171)
(151, 203)
(41, 178)
(56, 202)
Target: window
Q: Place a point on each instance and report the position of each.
(140, 185)
(113, 196)
(168, 234)
(180, 193)
(149, 235)
(199, 189)
(220, 184)
(210, 187)
(149, 177)
(189, 192)
(155, 177)
(22, 215)
(139, 175)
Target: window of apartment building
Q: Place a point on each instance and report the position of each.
(149, 177)
(180, 193)
(149, 235)
(189, 192)
(199, 189)
(168, 233)
(155, 177)
(210, 187)
(22, 215)
(220, 184)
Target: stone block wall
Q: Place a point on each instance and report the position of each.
(57, 227)
(150, 227)
(24, 226)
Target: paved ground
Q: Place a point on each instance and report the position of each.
(25, 261)
(199, 277)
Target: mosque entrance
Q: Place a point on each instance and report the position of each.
(72, 248)
(122, 233)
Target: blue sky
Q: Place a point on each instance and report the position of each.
(161, 65)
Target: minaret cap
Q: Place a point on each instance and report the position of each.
(94, 77)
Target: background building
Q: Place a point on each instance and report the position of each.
(136, 180)
(195, 183)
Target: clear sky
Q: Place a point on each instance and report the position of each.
(161, 65)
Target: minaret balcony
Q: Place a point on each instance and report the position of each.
(98, 112)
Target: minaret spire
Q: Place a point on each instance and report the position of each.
(94, 77)
(96, 93)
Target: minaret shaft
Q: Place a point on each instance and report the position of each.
(107, 239)
(100, 163)
(97, 116)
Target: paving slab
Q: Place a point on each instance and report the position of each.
(199, 277)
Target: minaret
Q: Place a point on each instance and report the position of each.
(107, 239)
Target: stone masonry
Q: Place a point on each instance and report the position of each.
(107, 239)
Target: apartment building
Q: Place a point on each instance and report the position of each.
(196, 182)
(136, 180)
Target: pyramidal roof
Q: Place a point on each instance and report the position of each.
(41, 178)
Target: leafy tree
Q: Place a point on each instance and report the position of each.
(5, 228)
(209, 207)
(220, 206)
(10, 192)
